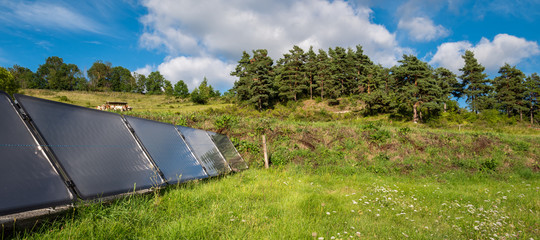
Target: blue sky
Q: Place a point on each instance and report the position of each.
(191, 39)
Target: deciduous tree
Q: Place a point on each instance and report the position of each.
(7, 82)
(181, 89)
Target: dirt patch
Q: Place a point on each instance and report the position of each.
(481, 143)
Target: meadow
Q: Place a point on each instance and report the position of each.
(333, 175)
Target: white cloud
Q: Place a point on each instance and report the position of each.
(422, 29)
(146, 70)
(449, 54)
(216, 29)
(192, 70)
(46, 15)
(504, 49)
(491, 54)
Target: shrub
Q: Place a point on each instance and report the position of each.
(379, 136)
(225, 122)
(489, 164)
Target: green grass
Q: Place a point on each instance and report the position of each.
(139, 102)
(290, 203)
(332, 175)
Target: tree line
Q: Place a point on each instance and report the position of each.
(101, 76)
(412, 88)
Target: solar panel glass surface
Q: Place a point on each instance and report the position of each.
(227, 149)
(168, 150)
(205, 150)
(28, 180)
(95, 148)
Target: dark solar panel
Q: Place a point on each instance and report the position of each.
(95, 148)
(168, 150)
(205, 150)
(227, 149)
(28, 180)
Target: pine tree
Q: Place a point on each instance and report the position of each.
(363, 71)
(510, 90)
(336, 83)
(380, 93)
(447, 82)
(242, 88)
(311, 70)
(323, 73)
(532, 94)
(260, 69)
(203, 93)
(418, 89)
(477, 85)
(291, 78)
(255, 83)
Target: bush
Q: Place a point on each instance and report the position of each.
(225, 122)
(489, 164)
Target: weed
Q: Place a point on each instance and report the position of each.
(489, 164)
(63, 98)
(225, 123)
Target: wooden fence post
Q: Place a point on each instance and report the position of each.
(266, 164)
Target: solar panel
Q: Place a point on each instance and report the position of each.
(168, 150)
(227, 149)
(95, 148)
(205, 150)
(28, 180)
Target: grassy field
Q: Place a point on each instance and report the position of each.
(333, 176)
(139, 102)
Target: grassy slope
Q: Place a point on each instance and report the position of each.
(139, 102)
(332, 176)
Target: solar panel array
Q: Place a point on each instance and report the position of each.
(51, 153)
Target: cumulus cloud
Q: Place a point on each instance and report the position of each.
(223, 29)
(449, 54)
(192, 71)
(422, 29)
(46, 15)
(491, 54)
(146, 70)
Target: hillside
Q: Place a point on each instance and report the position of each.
(334, 173)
